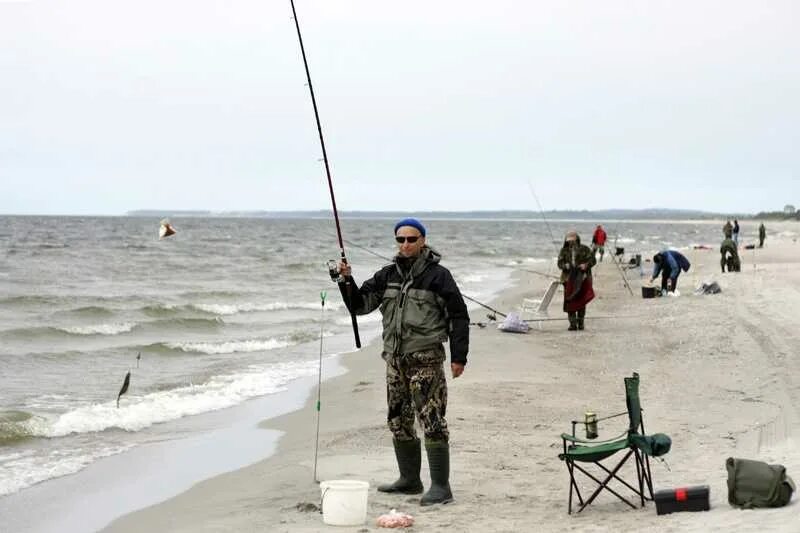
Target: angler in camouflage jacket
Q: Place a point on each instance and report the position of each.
(575, 260)
(422, 308)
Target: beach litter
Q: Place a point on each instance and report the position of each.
(708, 288)
(394, 519)
(308, 507)
(513, 324)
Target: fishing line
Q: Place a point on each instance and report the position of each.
(463, 295)
(376, 254)
(322, 296)
(541, 211)
(348, 285)
(492, 309)
(354, 245)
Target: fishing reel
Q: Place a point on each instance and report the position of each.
(333, 271)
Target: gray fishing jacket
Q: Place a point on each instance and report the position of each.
(421, 308)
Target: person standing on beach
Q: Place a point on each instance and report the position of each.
(762, 234)
(422, 308)
(599, 241)
(736, 231)
(576, 261)
(669, 264)
(727, 229)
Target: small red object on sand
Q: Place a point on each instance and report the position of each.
(395, 519)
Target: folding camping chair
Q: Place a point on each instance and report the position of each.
(633, 442)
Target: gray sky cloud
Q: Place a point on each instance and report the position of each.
(111, 105)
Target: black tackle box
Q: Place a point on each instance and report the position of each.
(682, 499)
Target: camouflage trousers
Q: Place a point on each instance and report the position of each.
(415, 384)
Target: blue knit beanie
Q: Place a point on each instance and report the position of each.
(413, 222)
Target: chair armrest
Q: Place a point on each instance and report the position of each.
(570, 438)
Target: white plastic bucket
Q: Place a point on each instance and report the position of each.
(344, 502)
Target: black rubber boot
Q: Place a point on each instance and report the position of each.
(439, 463)
(409, 462)
(573, 321)
(581, 314)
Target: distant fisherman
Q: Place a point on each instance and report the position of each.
(599, 241)
(730, 256)
(762, 234)
(576, 261)
(669, 264)
(421, 307)
(727, 229)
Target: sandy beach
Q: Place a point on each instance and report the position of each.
(719, 375)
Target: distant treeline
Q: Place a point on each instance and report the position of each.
(605, 214)
(777, 215)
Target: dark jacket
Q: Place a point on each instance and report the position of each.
(672, 262)
(568, 266)
(421, 308)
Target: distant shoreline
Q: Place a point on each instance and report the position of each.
(614, 215)
(655, 214)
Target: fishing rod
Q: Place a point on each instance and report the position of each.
(322, 296)
(348, 285)
(551, 276)
(585, 318)
(492, 309)
(546, 223)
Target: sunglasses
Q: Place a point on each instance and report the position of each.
(400, 239)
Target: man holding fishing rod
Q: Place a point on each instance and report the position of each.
(422, 308)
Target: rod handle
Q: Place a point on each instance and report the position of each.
(355, 329)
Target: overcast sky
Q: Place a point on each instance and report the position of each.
(111, 105)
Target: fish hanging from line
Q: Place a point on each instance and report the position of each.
(138, 358)
(125, 385)
(166, 229)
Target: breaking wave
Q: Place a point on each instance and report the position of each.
(225, 347)
(100, 329)
(232, 309)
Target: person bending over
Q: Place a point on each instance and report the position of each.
(730, 256)
(669, 263)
